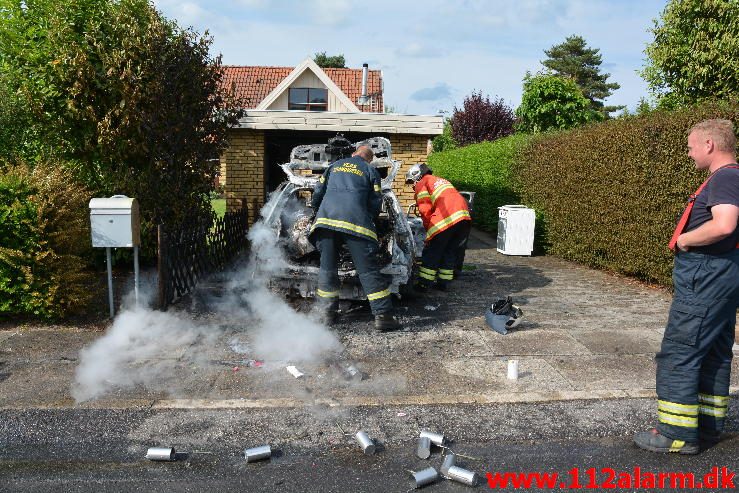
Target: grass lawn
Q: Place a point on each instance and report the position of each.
(219, 206)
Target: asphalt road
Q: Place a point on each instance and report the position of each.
(103, 450)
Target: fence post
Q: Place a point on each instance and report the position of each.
(161, 268)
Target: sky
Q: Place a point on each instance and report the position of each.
(433, 53)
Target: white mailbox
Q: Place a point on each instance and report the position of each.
(115, 222)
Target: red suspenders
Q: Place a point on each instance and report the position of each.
(686, 213)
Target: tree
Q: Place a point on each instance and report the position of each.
(551, 102)
(131, 102)
(481, 119)
(574, 59)
(695, 52)
(445, 141)
(644, 107)
(325, 61)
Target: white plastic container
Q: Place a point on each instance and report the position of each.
(516, 230)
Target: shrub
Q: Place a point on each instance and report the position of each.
(481, 119)
(44, 228)
(611, 192)
(485, 169)
(445, 141)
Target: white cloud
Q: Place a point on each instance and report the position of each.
(332, 12)
(438, 92)
(417, 50)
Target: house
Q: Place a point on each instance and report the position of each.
(288, 106)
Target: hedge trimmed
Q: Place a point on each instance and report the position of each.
(611, 192)
(486, 169)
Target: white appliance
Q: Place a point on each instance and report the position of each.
(516, 230)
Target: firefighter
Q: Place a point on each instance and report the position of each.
(694, 362)
(447, 220)
(348, 198)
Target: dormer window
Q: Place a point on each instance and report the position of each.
(307, 99)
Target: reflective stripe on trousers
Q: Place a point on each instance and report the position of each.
(694, 362)
(364, 256)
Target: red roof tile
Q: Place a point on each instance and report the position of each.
(253, 84)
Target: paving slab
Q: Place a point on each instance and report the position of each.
(632, 371)
(528, 341)
(634, 341)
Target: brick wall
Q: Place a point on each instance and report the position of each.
(242, 169)
(410, 149)
(242, 166)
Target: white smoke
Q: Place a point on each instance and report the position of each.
(140, 348)
(148, 348)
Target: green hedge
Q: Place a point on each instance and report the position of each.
(486, 169)
(611, 192)
(44, 243)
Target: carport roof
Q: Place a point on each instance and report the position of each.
(389, 123)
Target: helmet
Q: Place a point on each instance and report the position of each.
(503, 315)
(416, 172)
(339, 147)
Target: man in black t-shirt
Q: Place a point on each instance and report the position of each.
(694, 362)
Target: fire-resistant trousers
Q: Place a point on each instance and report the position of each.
(694, 363)
(442, 253)
(364, 255)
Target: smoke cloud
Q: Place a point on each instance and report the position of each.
(148, 348)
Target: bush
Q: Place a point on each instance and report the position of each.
(445, 141)
(44, 229)
(485, 169)
(611, 192)
(481, 119)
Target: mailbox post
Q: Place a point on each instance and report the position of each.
(115, 223)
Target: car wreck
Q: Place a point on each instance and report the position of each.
(291, 217)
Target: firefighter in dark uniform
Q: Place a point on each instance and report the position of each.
(694, 362)
(447, 220)
(347, 199)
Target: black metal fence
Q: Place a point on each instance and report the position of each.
(190, 254)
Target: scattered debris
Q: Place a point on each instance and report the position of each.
(238, 347)
(258, 453)
(436, 438)
(349, 371)
(235, 369)
(251, 363)
(425, 477)
(423, 450)
(367, 444)
(431, 308)
(513, 369)
(462, 476)
(402, 415)
(449, 461)
(503, 315)
(295, 372)
(161, 454)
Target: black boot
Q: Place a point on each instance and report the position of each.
(654, 441)
(386, 322)
(441, 285)
(420, 287)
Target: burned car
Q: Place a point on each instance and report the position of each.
(291, 217)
